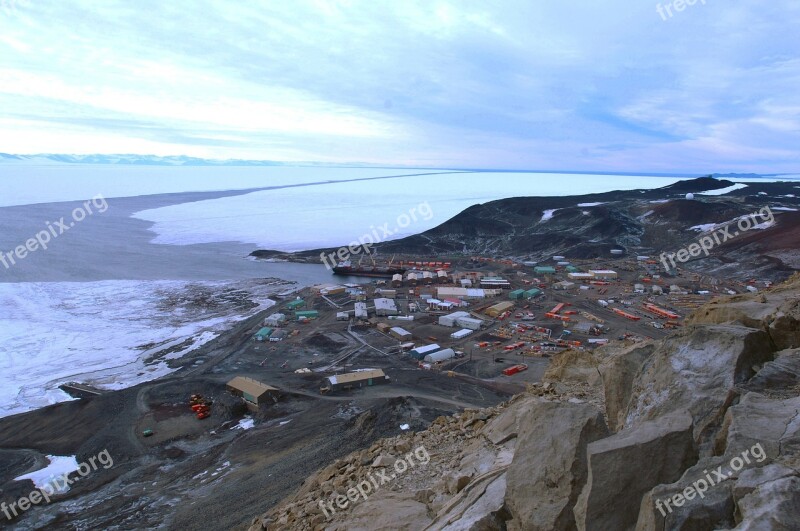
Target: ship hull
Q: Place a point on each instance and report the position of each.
(367, 272)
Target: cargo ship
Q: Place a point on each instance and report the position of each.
(368, 270)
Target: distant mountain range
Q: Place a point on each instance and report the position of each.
(148, 160)
(182, 160)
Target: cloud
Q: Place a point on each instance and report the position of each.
(516, 84)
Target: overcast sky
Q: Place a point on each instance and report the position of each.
(529, 84)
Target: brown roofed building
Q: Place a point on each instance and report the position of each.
(254, 393)
(352, 380)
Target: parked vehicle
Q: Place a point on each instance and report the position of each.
(515, 369)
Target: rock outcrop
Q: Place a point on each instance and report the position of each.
(614, 488)
(551, 457)
(700, 430)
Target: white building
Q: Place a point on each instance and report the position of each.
(450, 319)
(433, 304)
(469, 322)
(603, 274)
(466, 293)
(442, 355)
(361, 311)
(461, 334)
(400, 333)
(675, 289)
(274, 320)
(385, 307)
(495, 282)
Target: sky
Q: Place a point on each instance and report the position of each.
(606, 85)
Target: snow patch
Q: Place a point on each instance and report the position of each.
(704, 228)
(762, 226)
(723, 191)
(245, 424)
(548, 214)
(60, 465)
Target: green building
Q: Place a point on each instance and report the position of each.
(545, 270)
(295, 304)
(308, 314)
(572, 269)
(263, 334)
(531, 293)
(516, 294)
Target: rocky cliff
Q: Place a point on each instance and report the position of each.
(698, 431)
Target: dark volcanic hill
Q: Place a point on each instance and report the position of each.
(642, 222)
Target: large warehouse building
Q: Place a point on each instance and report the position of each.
(254, 393)
(450, 319)
(442, 355)
(497, 309)
(420, 352)
(352, 380)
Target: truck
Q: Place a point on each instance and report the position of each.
(510, 371)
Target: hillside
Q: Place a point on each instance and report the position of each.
(700, 430)
(641, 222)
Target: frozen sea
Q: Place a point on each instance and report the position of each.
(93, 307)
